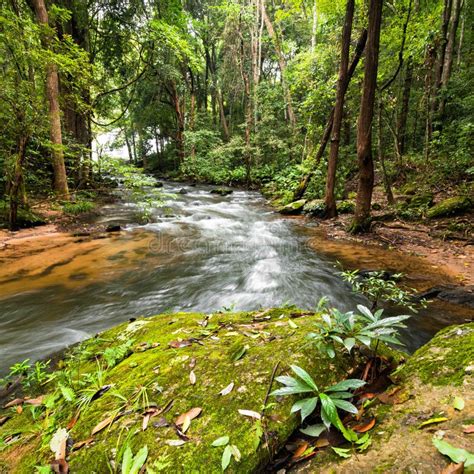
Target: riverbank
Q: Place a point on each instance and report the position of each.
(182, 387)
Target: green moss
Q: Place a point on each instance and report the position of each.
(294, 207)
(162, 372)
(450, 207)
(443, 361)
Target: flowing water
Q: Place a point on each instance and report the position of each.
(204, 252)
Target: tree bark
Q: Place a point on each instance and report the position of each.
(330, 201)
(303, 185)
(281, 63)
(403, 116)
(52, 93)
(381, 157)
(17, 182)
(364, 126)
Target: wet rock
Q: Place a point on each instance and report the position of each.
(221, 191)
(450, 207)
(293, 208)
(158, 184)
(182, 191)
(113, 228)
(461, 295)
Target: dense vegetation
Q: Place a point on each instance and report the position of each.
(240, 92)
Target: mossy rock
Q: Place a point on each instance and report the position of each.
(295, 207)
(426, 387)
(450, 207)
(315, 207)
(346, 207)
(241, 348)
(221, 191)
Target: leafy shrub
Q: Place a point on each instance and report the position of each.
(78, 207)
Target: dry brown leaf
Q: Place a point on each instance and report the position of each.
(179, 344)
(145, 421)
(192, 363)
(363, 427)
(251, 414)
(191, 414)
(60, 466)
(73, 421)
(322, 443)
(35, 401)
(466, 429)
(227, 390)
(103, 424)
(300, 450)
(192, 377)
(454, 469)
(81, 444)
(19, 409)
(13, 403)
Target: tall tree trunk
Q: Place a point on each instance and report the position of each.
(364, 126)
(330, 201)
(448, 56)
(52, 93)
(461, 34)
(281, 63)
(303, 184)
(429, 99)
(180, 126)
(380, 154)
(15, 188)
(403, 115)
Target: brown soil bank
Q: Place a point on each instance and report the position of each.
(176, 383)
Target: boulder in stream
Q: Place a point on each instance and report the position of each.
(295, 207)
(221, 191)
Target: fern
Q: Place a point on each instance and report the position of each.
(114, 355)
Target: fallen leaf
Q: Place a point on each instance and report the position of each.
(146, 420)
(227, 390)
(454, 468)
(292, 324)
(178, 344)
(191, 414)
(239, 353)
(13, 403)
(175, 442)
(192, 363)
(103, 424)
(236, 452)
(58, 443)
(192, 377)
(186, 424)
(251, 414)
(60, 466)
(300, 450)
(161, 423)
(73, 420)
(35, 401)
(222, 441)
(458, 403)
(19, 409)
(4, 419)
(100, 392)
(322, 443)
(81, 444)
(466, 429)
(363, 427)
(432, 421)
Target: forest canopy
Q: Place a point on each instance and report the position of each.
(238, 92)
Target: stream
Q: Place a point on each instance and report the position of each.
(203, 252)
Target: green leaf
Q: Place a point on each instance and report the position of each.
(235, 452)
(346, 406)
(239, 353)
(67, 393)
(291, 391)
(302, 374)
(313, 430)
(222, 441)
(287, 380)
(226, 456)
(342, 452)
(127, 460)
(292, 324)
(349, 343)
(366, 312)
(139, 460)
(456, 455)
(366, 340)
(458, 403)
(431, 421)
(305, 406)
(349, 384)
(328, 411)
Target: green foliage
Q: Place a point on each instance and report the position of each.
(457, 455)
(114, 355)
(78, 207)
(348, 329)
(131, 464)
(331, 399)
(32, 376)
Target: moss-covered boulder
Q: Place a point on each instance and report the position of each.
(129, 385)
(450, 207)
(433, 397)
(221, 191)
(315, 207)
(293, 208)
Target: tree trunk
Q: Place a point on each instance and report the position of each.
(403, 116)
(281, 63)
(52, 93)
(330, 201)
(364, 126)
(17, 182)
(461, 35)
(179, 112)
(449, 53)
(381, 157)
(303, 184)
